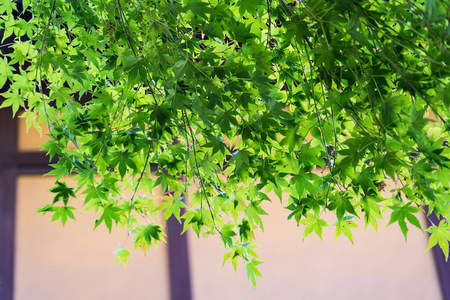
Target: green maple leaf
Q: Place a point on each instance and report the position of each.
(110, 213)
(145, 236)
(226, 234)
(62, 213)
(402, 212)
(251, 6)
(342, 205)
(62, 191)
(313, 224)
(122, 255)
(440, 234)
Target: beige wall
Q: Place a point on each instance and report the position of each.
(377, 267)
(75, 262)
(30, 140)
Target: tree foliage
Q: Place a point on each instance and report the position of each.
(319, 100)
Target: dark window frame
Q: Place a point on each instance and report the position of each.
(14, 163)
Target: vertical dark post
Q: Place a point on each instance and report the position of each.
(443, 267)
(8, 171)
(179, 272)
